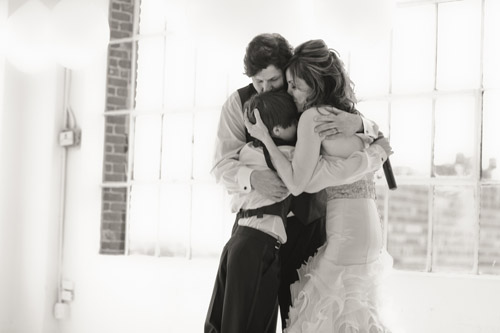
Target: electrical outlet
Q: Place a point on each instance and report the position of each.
(69, 137)
(61, 311)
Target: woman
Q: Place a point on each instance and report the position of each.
(336, 291)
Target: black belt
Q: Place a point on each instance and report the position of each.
(280, 209)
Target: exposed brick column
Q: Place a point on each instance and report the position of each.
(119, 90)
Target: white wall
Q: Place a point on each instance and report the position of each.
(30, 169)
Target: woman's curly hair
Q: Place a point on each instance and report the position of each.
(323, 71)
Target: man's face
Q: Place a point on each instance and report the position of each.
(299, 90)
(270, 78)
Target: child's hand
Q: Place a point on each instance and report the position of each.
(257, 130)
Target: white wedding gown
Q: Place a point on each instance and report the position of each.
(337, 290)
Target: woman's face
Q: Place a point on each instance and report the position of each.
(299, 90)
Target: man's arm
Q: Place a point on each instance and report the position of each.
(226, 167)
(333, 121)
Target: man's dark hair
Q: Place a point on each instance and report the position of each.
(276, 108)
(265, 50)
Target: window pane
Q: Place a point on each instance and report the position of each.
(455, 136)
(491, 135)
(147, 147)
(208, 232)
(491, 65)
(211, 76)
(454, 233)
(411, 132)
(369, 70)
(152, 16)
(149, 91)
(175, 219)
(158, 15)
(205, 129)
(177, 146)
(489, 244)
(143, 219)
(234, 63)
(414, 49)
(179, 72)
(408, 226)
(459, 44)
(377, 111)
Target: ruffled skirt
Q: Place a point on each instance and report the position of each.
(338, 298)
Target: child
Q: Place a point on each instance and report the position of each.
(249, 265)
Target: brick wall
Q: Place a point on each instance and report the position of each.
(408, 220)
(408, 228)
(118, 97)
(489, 240)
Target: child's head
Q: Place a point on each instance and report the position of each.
(278, 112)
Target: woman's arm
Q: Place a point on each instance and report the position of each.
(308, 170)
(297, 173)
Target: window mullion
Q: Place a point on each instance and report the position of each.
(479, 136)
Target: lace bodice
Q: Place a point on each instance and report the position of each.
(362, 189)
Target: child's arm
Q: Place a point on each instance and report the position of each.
(308, 170)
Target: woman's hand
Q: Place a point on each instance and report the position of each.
(334, 122)
(257, 130)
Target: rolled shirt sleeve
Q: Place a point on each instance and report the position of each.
(230, 139)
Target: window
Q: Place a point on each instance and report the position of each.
(439, 106)
(163, 103)
(433, 88)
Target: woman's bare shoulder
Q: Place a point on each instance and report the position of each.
(307, 117)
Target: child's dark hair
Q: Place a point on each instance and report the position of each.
(276, 108)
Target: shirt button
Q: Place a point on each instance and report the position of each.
(245, 188)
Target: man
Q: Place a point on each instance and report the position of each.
(265, 60)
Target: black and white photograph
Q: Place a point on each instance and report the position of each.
(264, 166)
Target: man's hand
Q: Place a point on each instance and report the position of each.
(268, 184)
(384, 143)
(334, 122)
